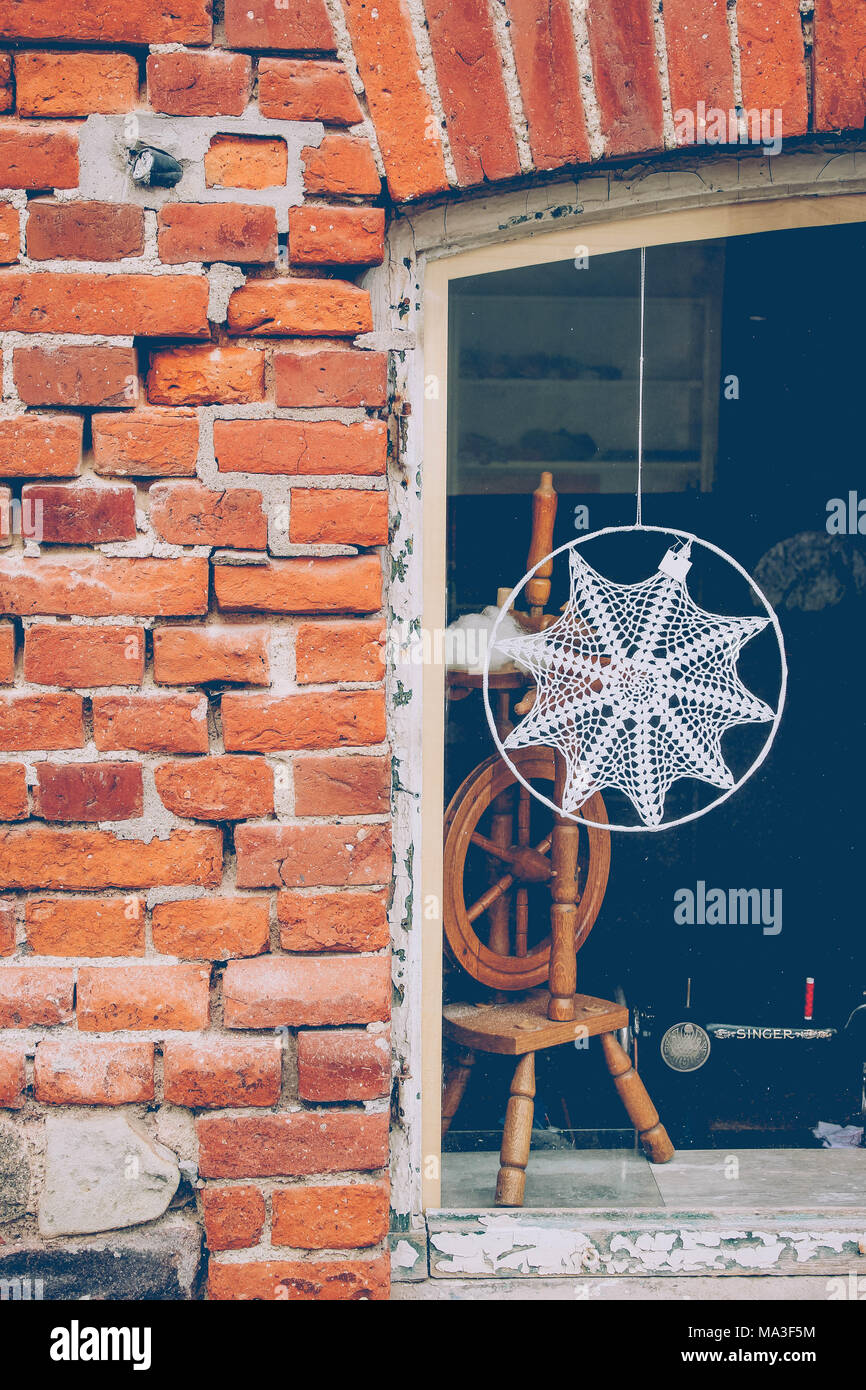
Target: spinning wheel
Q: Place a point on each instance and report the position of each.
(538, 885)
(513, 868)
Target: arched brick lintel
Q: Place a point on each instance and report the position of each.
(468, 92)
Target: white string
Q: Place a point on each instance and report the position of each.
(638, 517)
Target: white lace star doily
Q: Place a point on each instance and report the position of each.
(635, 685)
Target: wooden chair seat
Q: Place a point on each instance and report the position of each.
(521, 1025)
(519, 1028)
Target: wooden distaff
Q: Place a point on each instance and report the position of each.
(544, 500)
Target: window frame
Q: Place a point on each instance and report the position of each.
(618, 229)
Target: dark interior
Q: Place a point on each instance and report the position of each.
(751, 465)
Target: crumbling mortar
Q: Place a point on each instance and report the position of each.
(591, 108)
(430, 82)
(661, 48)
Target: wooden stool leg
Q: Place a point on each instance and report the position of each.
(455, 1088)
(633, 1094)
(517, 1135)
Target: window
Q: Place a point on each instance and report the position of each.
(751, 432)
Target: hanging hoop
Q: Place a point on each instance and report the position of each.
(762, 599)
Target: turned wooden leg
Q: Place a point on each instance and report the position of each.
(565, 844)
(517, 1135)
(455, 1088)
(633, 1094)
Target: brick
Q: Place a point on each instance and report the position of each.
(296, 24)
(626, 77)
(41, 721)
(329, 376)
(389, 66)
(347, 1216)
(306, 448)
(699, 59)
(338, 786)
(206, 376)
(199, 84)
(88, 791)
(839, 75)
(271, 723)
(83, 655)
(344, 921)
(13, 1075)
(150, 723)
(10, 525)
(150, 305)
(84, 231)
(550, 85)
(199, 655)
(75, 514)
(13, 792)
(280, 1280)
(472, 87)
(312, 856)
(7, 653)
(85, 926)
(76, 375)
(73, 1071)
(772, 66)
(270, 992)
(212, 928)
(208, 1072)
(291, 1145)
(146, 443)
(35, 157)
(333, 516)
(246, 161)
(109, 21)
(50, 859)
(192, 514)
(97, 586)
(10, 233)
(320, 235)
(340, 651)
(7, 86)
(217, 788)
(142, 996)
(299, 585)
(243, 233)
(7, 928)
(348, 1064)
(342, 165)
(291, 305)
(75, 84)
(41, 446)
(35, 996)
(303, 89)
(234, 1217)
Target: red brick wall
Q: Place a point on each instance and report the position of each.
(194, 776)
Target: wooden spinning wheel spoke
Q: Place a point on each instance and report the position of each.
(493, 894)
(528, 864)
(539, 871)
